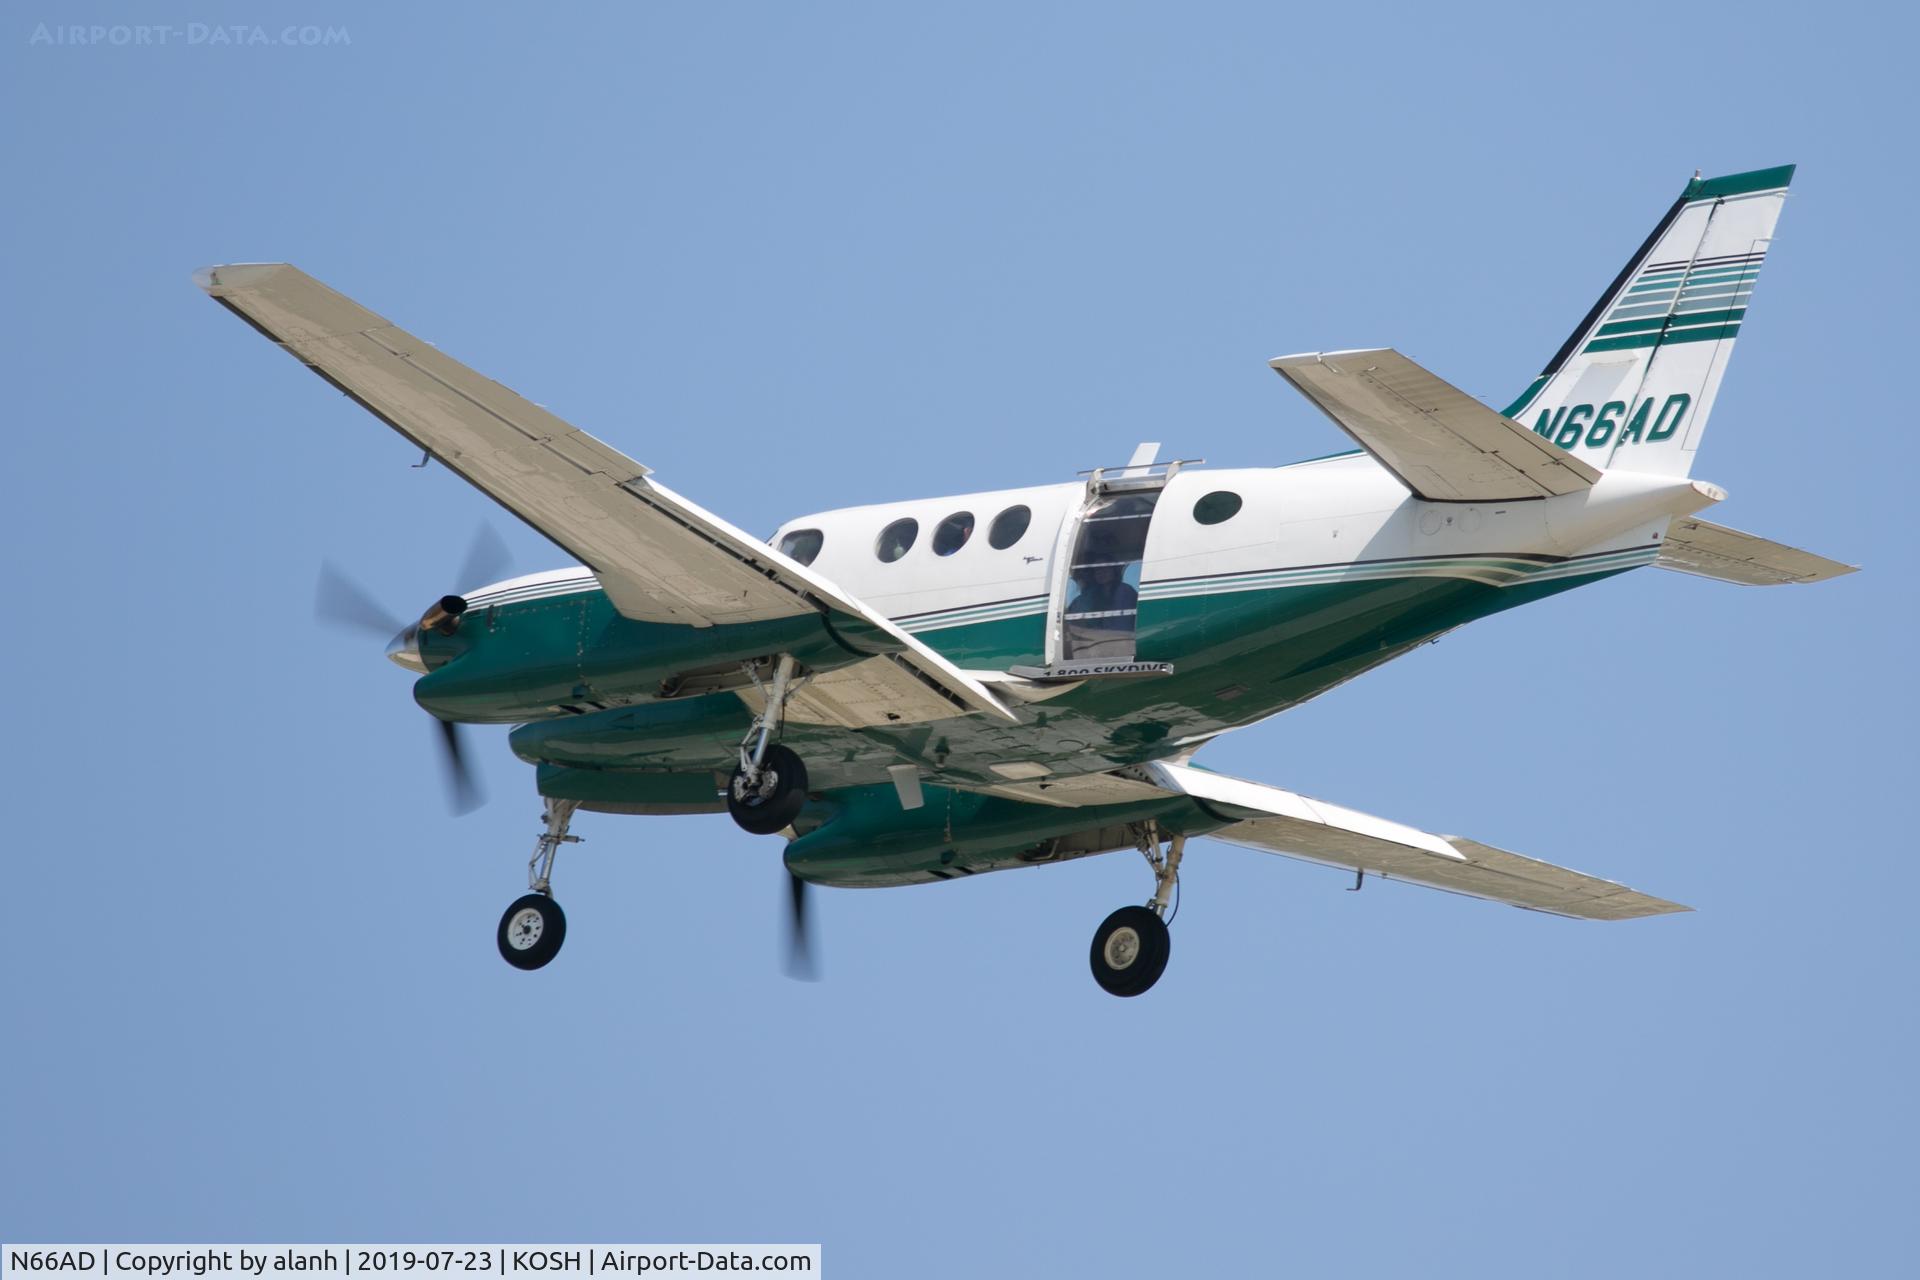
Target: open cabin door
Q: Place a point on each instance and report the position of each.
(1093, 608)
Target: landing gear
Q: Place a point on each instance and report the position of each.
(768, 803)
(769, 785)
(533, 928)
(1131, 946)
(531, 931)
(1130, 950)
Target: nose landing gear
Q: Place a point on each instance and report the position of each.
(1131, 946)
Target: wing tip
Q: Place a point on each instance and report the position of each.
(224, 276)
(1655, 907)
(1321, 357)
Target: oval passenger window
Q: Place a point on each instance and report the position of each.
(1009, 527)
(1217, 507)
(802, 544)
(952, 533)
(896, 539)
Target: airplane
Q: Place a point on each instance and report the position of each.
(920, 691)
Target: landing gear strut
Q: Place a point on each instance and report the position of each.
(533, 928)
(769, 785)
(1131, 946)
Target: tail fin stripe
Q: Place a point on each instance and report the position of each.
(1743, 272)
(1692, 302)
(1711, 276)
(1713, 288)
(1634, 322)
(1711, 333)
(1663, 329)
(1717, 315)
(1725, 259)
(1679, 321)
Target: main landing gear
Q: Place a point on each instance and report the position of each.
(533, 928)
(769, 785)
(1131, 946)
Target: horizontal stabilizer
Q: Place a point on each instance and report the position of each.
(1283, 822)
(1715, 551)
(1441, 442)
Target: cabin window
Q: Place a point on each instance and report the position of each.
(896, 539)
(952, 533)
(1217, 507)
(802, 545)
(1009, 527)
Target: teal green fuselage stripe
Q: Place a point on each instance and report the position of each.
(998, 643)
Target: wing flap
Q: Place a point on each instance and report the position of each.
(1284, 822)
(1441, 442)
(1710, 550)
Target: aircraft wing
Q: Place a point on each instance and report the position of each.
(1277, 821)
(659, 557)
(1710, 550)
(1441, 442)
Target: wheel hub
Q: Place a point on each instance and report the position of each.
(525, 930)
(1123, 947)
(751, 790)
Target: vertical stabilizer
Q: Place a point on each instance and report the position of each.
(1632, 387)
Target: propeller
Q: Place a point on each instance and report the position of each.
(488, 560)
(800, 961)
(464, 793)
(342, 602)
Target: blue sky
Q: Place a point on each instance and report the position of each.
(795, 257)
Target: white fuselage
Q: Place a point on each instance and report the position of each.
(1344, 516)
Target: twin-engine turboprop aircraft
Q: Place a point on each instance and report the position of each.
(924, 690)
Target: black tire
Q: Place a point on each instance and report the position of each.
(779, 799)
(1130, 951)
(531, 931)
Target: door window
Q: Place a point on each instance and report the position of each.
(1103, 587)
